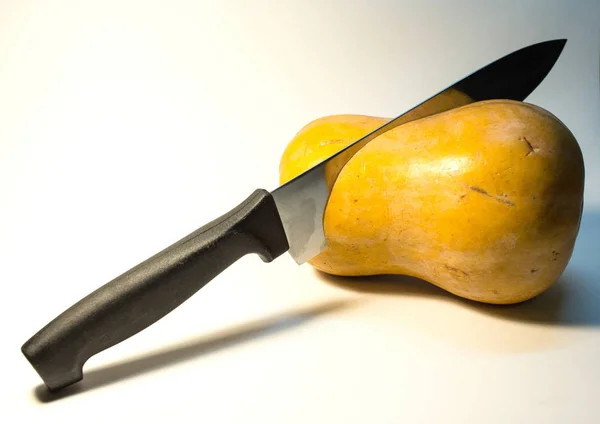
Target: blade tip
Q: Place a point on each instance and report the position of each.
(559, 42)
(562, 42)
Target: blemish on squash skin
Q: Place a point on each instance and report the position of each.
(529, 146)
(485, 193)
(458, 273)
(479, 190)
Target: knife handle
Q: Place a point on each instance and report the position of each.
(152, 289)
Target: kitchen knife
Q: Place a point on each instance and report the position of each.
(268, 224)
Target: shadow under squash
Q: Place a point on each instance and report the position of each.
(568, 302)
(574, 300)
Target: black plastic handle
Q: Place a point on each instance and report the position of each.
(152, 289)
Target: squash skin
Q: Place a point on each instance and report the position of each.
(484, 200)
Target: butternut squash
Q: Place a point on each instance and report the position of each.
(484, 200)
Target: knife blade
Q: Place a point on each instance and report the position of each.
(267, 224)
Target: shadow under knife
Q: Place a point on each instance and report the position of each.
(205, 345)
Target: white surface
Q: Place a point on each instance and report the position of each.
(125, 125)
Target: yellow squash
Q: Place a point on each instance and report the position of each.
(484, 200)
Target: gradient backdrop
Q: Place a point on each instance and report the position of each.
(124, 125)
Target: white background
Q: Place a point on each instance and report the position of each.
(125, 125)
